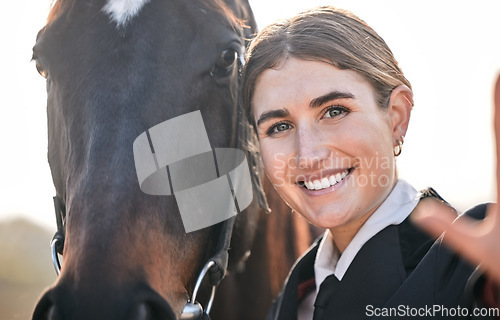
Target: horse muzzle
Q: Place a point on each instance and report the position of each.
(65, 303)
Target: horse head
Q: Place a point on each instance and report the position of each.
(114, 69)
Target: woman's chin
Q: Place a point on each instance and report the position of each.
(328, 220)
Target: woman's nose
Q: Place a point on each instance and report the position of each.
(311, 148)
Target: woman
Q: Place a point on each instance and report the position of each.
(331, 108)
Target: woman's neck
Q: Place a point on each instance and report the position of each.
(344, 234)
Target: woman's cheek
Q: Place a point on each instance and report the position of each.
(275, 164)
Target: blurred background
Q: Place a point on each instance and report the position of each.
(449, 50)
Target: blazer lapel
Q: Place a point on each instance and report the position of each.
(374, 275)
(302, 271)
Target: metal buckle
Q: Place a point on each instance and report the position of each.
(193, 309)
(55, 257)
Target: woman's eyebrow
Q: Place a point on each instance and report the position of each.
(316, 102)
(319, 101)
(279, 113)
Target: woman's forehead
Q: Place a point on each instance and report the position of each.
(301, 78)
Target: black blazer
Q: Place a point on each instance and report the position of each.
(400, 272)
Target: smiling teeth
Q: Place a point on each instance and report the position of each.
(326, 182)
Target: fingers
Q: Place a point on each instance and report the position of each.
(476, 240)
(460, 234)
(433, 216)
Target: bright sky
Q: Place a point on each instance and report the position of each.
(449, 50)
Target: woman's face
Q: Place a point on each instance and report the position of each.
(326, 145)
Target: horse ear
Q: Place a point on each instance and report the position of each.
(243, 11)
(247, 15)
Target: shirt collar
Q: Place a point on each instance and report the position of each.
(394, 210)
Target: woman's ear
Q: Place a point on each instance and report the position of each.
(399, 110)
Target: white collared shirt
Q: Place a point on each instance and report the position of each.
(394, 210)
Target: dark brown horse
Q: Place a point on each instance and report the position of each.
(114, 69)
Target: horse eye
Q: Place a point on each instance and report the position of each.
(225, 63)
(41, 70)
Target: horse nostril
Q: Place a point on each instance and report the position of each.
(153, 310)
(45, 309)
(142, 312)
(51, 314)
(57, 304)
(46, 314)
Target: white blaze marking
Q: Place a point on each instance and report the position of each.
(121, 11)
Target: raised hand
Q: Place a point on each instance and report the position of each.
(477, 241)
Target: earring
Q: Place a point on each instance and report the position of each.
(399, 147)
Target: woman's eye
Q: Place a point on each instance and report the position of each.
(335, 111)
(279, 127)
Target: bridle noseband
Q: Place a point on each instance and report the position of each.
(215, 268)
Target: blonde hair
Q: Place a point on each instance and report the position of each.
(325, 34)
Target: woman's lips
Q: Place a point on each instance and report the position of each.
(326, 182)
